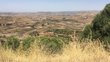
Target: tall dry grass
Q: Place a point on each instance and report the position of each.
(74, 52)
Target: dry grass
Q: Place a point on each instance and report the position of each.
(75, 52)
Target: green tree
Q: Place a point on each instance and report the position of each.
(100, 26)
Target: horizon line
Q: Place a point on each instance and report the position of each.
(46, 11)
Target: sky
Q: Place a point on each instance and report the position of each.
(51, 5)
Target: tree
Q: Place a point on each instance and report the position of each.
(100, 26)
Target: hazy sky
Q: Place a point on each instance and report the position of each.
(51, 5)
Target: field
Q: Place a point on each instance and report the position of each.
(49, 37)
(22, 24)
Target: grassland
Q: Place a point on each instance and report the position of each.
(74, 52)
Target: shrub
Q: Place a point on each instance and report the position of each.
(87, 32)
(51, 44)
(65, 38)
(12, 42)
(27, 43)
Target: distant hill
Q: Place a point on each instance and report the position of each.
(44, 13)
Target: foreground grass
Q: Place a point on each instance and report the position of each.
(74, 52)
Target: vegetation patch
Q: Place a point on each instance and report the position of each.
(51, 44)
(27, 42)
(100, 27)
(12, 43)
(62, 31)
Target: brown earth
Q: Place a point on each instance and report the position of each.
(22, 24)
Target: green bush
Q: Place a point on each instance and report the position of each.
(100, 26)
(87, 32)
(62, 31)
(27, 43)
(12, 42)
(65, 38)
(51, 44)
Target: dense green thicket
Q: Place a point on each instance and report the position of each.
(100, 27)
